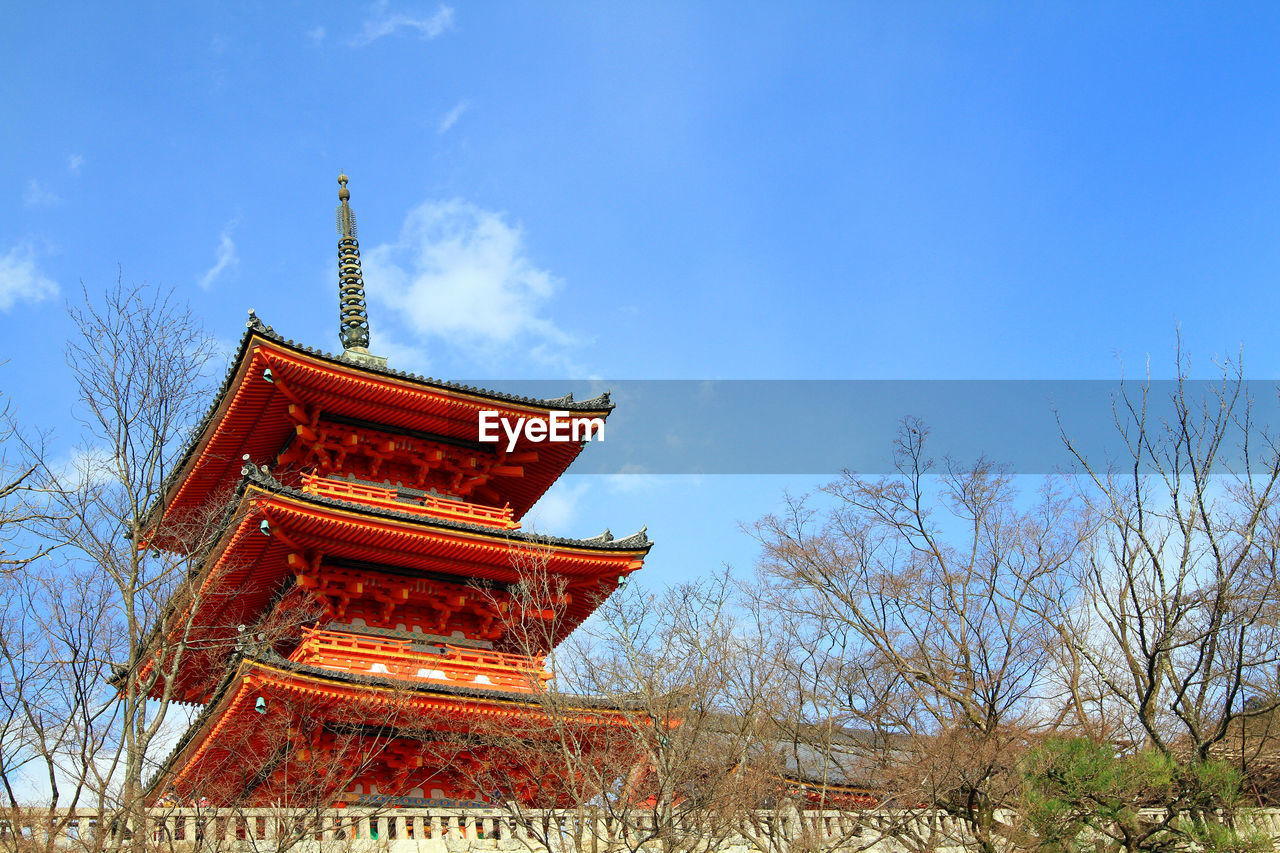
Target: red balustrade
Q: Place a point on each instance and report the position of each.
(431, 505)
(368, 655)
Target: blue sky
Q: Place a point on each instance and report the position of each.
(709, 190)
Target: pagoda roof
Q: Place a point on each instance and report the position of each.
(566, 403)
(243, 572)
(248, 416)
(268, 657)
(264, 663)
(254, 475)
(410, 541)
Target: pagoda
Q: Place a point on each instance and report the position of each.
(353, 626)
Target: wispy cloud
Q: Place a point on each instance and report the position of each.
(390, 345)
(226, 259)
(85, 468)
(462, 274)
(558, 508)
(316, 34)
(383, 22)
(451, 117)
(74, 162)
(21, 279)
(631, 479)
(38, 195)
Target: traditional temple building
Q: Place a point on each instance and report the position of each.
(371, 602)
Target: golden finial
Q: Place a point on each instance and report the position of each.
(346, 217)
(353, 316)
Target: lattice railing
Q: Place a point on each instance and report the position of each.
(370, 655)
(430, 505)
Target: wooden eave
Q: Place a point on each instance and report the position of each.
(353, 532)
(249, 677)
(248, 569)
(250, 416)
(255, 564)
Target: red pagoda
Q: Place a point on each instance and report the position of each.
(354, 619)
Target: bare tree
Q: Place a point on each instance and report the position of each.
(281, 774)
(93, 611)
(24, 658)
(648, 736)
(1180, 574)
(1131, 607)
(17, 481)
(916, 603)
(1174, 638)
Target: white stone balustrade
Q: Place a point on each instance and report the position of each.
(437, 830)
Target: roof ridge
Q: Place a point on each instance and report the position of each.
(602, 400)
(260, 475)
(255, 326)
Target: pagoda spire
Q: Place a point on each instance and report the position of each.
(353, 315)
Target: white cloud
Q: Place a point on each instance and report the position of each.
(21, 280)
(401, 355)
(87, 467)
(451, 117)
(632, 479)
(226, 348)
(383, 22)
(38, 195)
(74, 162)
(556, 510)
(461, 273)
(316, 34)
(226, 259)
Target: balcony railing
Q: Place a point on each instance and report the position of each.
(457, 665)
(429, 505)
